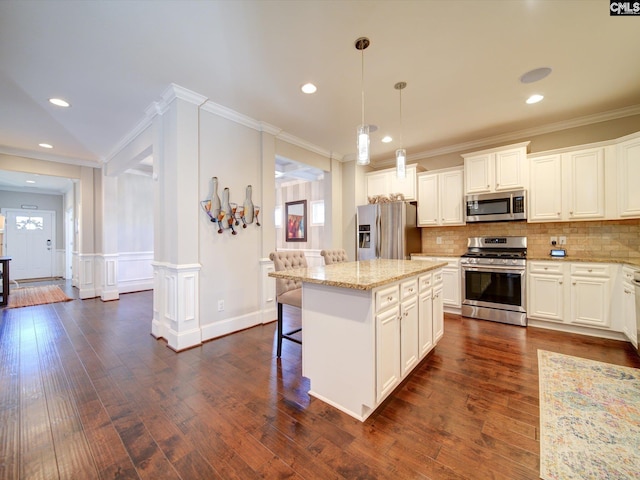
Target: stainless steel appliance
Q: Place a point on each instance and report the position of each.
(387, 230)
(496, 207)
(636, 283)
(493, 279)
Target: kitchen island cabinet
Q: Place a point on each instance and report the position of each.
(363, 328)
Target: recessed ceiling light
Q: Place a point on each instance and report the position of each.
(386, 139)
(45, 145)
(309, 88)
(535, 75)
(59, 102)
(534, 98)
(30, 181)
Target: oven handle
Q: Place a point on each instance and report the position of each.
(490, 268)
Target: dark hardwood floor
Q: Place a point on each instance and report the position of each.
(86, 392)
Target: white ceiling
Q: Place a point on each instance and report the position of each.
(461, 60)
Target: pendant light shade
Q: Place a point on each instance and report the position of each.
(362, 137)
(401, 153)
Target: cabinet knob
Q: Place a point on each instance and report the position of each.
(546, 268)
(560, 282)
(570, 213)
(590, 270)
(389, 298)
(573, 283)
(487, 186)
(558, 213)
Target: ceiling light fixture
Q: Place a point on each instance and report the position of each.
(59, 102)
(30, 181)
(535, 75)
(363, 129)
(534, 99)
(45, 145)
(401, 153)
(387, 139)
(308, 88)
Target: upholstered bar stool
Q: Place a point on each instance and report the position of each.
(288, 292)
(334, 256)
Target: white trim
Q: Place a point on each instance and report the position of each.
(81, 162)
(231, 115)
(230, 325)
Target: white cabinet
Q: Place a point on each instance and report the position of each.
(409, 335)
(628, 156)
(567, 186)
(385, 182)
(590, 294)
(629, 304)
(545, 291)
(438, 313)
(440, 198)
(583, 300)
(388, 352)
(449, 277)
(496, 170)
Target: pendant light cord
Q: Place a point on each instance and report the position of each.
(362, 82)
(401, 141)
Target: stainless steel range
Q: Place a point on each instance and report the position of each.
(493, 279)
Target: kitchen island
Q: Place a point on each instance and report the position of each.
(365, 326)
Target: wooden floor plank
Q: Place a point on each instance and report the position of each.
(85, 388)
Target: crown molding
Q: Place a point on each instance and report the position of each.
(153, 110)
(518, 134)
(80, 162)
(174, 91)
(231, 115)
(293, 140)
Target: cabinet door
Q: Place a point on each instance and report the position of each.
(425, 323)
(590, 301)
(405, 186)
(388, 352)
(428, 200)
(628, 154)
(587, 184)
(438, 314)
(511, 173)
(545, 192)
(478, 172)
(451, 198)
(451, 287)
(546, 297)
(629, 310)
(377, 183)
(409, 337)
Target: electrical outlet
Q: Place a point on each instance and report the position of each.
(554, 240)
(220, 305)
(439, 240)
(563, 240)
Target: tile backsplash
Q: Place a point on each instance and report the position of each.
(615, 239)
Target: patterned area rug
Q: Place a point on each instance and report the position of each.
(589, 419)
(29, 296)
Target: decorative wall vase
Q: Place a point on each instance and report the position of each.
(215, 203)
(248, 207)
(228, 218)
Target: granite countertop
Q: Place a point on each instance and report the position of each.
(635, 262)
(364, 275)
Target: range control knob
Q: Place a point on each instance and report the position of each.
(504, 260)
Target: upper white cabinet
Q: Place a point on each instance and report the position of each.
(567, 186)
(385, 182)
(628, 153)
(440, 197)
(497, 169)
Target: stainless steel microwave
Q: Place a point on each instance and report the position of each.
(496, 207)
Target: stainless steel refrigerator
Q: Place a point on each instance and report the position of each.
(387, 230)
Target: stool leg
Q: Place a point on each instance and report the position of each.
(279, 330)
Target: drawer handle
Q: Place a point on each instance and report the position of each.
(546, 268)
(573, 283)
(389, 298)
(590, 270)
(560, 282)
(411, 290)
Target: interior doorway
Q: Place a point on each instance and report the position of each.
(30, 241)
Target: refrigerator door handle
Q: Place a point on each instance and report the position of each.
(379, 234)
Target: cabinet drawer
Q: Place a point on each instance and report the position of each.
(424, 282)
(546, 267)
(591, 269)
(387, 297)
(628, 274)
(408, 288)
(437, 277)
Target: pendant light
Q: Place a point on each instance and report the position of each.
(401, 153)
(363, 129)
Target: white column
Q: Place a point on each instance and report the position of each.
(85, 234)
(109, 270)
(176, 264)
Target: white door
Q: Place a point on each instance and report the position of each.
(30, 242)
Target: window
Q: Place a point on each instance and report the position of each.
(277, 216)
(317, 213)
(29, 223)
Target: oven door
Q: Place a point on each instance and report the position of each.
(494, 287)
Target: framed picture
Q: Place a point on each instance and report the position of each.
(295, 214)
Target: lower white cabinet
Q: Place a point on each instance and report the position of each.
(438, 313)
(577, 294)
(450, 279)
(425, 320)
(409, 335)
(629, 305)
(388, 352)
